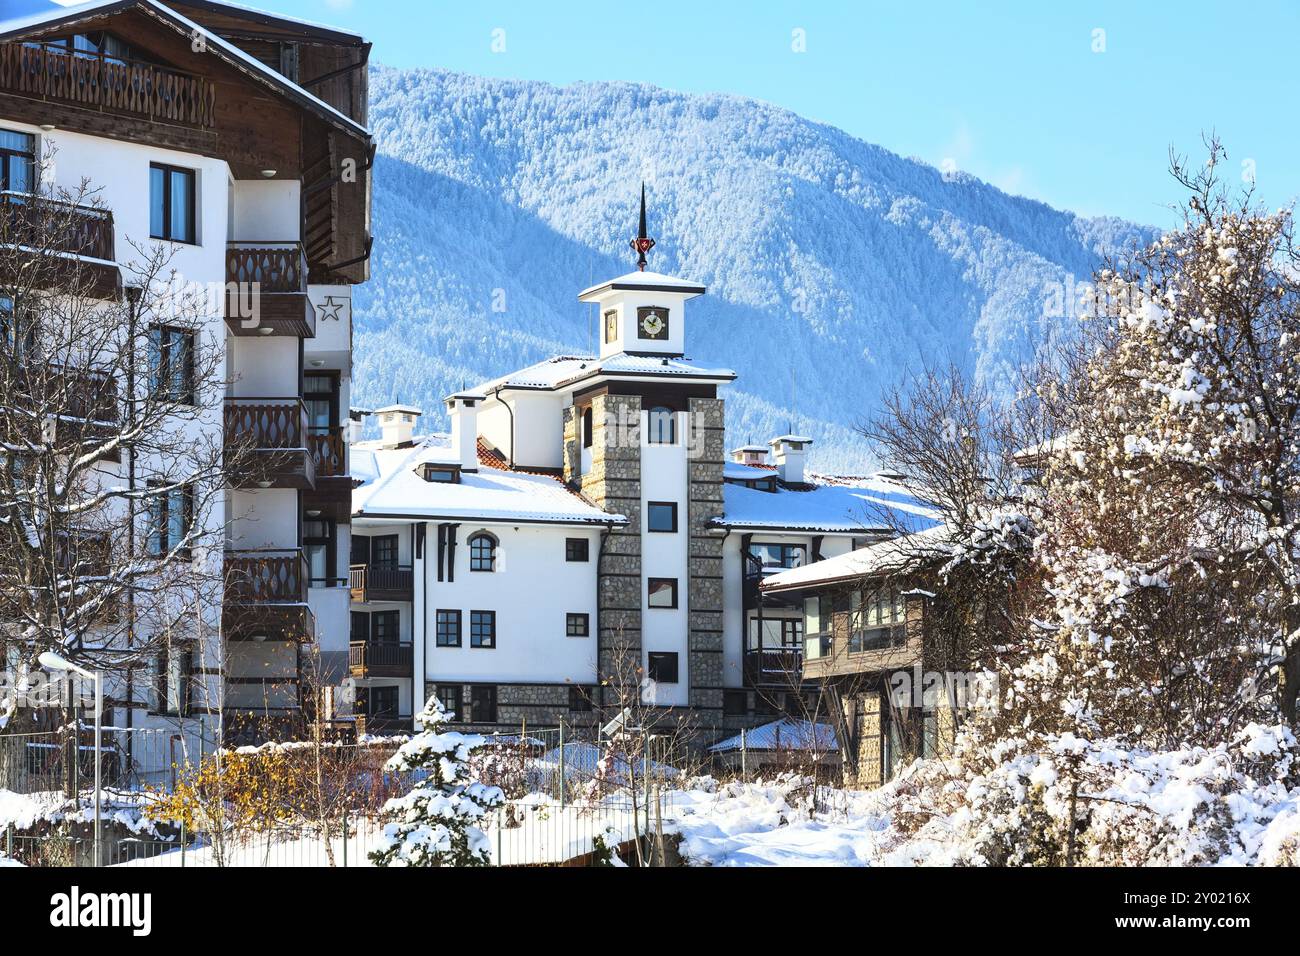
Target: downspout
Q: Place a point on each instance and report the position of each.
(600, 558)
(496, 393)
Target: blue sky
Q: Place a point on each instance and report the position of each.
(1029, 96)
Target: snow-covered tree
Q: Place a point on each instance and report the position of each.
(433, 825)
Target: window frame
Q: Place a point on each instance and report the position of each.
(331, 546)
(452, 614)
(475, 560)
(580, 699)
(650, 507)
(160, 514)
(577, 624)
(9, 155)
(650, 583)
(193, 176)
(661, 413)
(442, 691)
(183, 655)
(388, 541)
(476, 640)
(490, 692)
(662, 657)
(163, 340)
(571, 547)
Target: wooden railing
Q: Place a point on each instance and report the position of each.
(267, 577)
(378, 658)
(389, 584)
(102, 82)
(773, 666)
(276, 267)
(47, 224)
(266, 423)
(327, 451)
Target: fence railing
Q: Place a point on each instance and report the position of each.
(61, 227)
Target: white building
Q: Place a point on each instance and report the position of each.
(237, 140)
(582, 511)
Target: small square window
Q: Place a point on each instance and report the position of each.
(662, 592)
(662, 667)
(578, 625)
(482, 628)
(735, 703)
(577, 549)
(449, 695)
(661, 516)
(580, 699)
(448, 628)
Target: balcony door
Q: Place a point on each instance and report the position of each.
(17, 161)
(320, 393)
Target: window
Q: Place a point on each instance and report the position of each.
(588, 430)
(580, 699)
(482, 552)
(578, 625)
(320, 393)
(878, 619)
(171, 203)
(172, 681)
(359, 630)
(662, 667)
(449, 695)
(383, 552)
(777, 555)
(778, 633)
(318, 545)
(482, 628)
(382, 702)
(662, 428)
(17, 162)
(483, 704)
(577, 549)
(817, 627)
(384, 627)
(662, 592)
(735, 703)
(171, 516)
(171, 365)
(611, 325)
(448, 628)
(441, 474)
(661, 516)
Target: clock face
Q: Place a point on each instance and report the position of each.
(611, 325)
(652, 323)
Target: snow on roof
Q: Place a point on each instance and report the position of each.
(51, 13)
(849, 505)
(391, 486)
(564, 370)
(408, 409)
(790, 438)
(238, 8)
(642, 280)
(787, 734)
(894, 554)
(739, 472)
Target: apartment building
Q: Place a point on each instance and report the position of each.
(238, 141)
(581, 513)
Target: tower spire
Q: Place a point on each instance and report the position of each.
(642, 243)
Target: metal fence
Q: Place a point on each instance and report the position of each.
(569, 800)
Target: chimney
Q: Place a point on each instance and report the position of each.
(788, 453)
(749, 455)
(463, 410)
(396, 425)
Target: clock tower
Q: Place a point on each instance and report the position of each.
(642, 313)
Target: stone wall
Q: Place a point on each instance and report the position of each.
(540, 706)
(705, 586)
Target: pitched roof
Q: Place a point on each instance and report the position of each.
(787, 734)
(562, 371)
(894, 555)
(392, 487)
(652, 281)
(874, 504)
(45, 15)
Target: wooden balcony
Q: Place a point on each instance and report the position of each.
(773, 667)
(266, 596)
(76, 241)
(380, 584)
(836, 657)
(328, 453)
(107, 84)
(266, 290)
(378, 659)
(268, 437)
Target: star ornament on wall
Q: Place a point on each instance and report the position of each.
(330, 309)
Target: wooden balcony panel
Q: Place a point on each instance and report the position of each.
(379, 659)
(839, 661)
(773, 667)
(266, 596)
(380, 584)
(108, 84)
(266, 288)
(329, 453)
(77, 240)
(269, 437)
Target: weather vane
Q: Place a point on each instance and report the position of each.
(642, 243)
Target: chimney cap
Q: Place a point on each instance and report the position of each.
(405, 409)
(465, 396)
(791, 440)
(757, 449)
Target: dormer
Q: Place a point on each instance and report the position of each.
(642, 313)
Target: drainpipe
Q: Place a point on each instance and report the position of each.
(600, 558)
(496, 393)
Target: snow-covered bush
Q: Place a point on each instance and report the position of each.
(433, 825)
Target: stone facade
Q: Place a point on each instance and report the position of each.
(705, 568)
(537, 706)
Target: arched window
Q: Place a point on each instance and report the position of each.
(482, 552)
(662, 424)
(586, 428)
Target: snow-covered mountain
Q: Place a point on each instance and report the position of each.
(833, 266)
